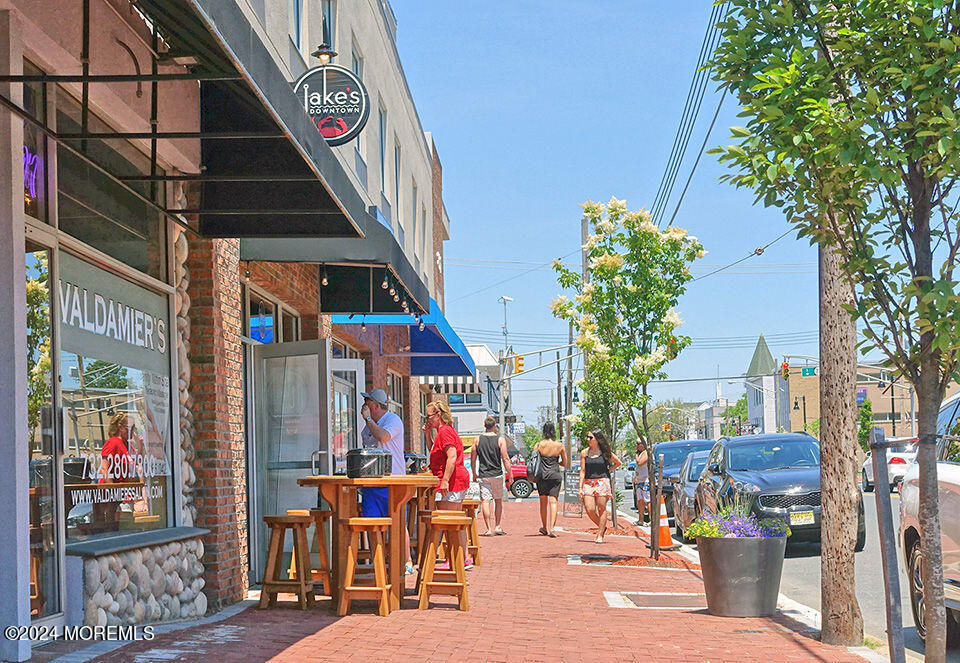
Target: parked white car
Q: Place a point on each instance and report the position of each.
(948, 478)
(899, 459)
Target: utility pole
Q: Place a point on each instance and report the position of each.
(843, 621)
(505, 300)
(503, 368)
(559, 414)
(568, 407)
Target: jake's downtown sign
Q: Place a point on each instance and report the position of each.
(335, 100)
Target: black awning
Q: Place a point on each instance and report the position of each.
(266, 171)
(256, 187)
(355, 270)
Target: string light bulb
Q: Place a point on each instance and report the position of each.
(385, 284)
(324, 281)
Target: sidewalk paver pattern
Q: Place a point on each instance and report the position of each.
(526, 604)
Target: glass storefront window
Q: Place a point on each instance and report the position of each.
(44, 571)
(395, 394)
(115, 393)
(34, 149)
(97, 210)
(290, 324)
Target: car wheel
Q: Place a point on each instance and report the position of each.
(521, 488)
(915, 577)
(863, 481)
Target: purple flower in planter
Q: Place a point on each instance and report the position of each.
(736, 525)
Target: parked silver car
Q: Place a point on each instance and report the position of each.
(948, 491)
(685, 491)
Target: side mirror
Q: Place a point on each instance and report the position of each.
(713, 468)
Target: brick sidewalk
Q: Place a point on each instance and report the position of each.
(526, 604)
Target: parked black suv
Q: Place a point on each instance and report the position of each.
(776, 475)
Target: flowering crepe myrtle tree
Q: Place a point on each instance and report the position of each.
(625, 316)
(852, 129)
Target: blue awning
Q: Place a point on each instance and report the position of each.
(437, 350)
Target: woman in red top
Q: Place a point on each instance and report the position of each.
(114, 453)
(446, 462)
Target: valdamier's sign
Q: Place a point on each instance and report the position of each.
(336, 101)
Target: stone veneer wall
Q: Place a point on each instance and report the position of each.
(151, 584)
(188, 478)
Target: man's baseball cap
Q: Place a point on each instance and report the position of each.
(378, 395)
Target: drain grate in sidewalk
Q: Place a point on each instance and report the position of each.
(656, 600)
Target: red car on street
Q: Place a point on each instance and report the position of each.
(522, 486)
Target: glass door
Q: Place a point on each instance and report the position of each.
(44, 501)
(293, 432)
(347, 377)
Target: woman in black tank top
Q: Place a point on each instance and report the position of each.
(597, 465)
(553, 456)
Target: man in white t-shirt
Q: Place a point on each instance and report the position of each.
(383, 429)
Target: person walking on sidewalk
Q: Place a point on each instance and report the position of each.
(489, 460)
(597, 462)
(552, 457)
(641, 483)
(446, 462)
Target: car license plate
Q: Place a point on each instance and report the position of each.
(801, 518)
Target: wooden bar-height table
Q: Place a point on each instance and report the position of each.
(340, 492)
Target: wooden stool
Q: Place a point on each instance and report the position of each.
(473, 534)
(380, 589)
(449, 524)
(320, 574)
(273, 584)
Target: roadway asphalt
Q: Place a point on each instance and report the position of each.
(801, 578)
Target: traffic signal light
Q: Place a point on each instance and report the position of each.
(785, 370)
(672, 349)
(518, 364)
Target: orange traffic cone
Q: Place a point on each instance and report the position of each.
(666, 541)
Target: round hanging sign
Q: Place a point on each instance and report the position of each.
(336, 101)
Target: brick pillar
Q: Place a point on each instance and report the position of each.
(220, 464)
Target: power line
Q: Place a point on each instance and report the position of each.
(756, 252)
(658, 217)
(510, 278)
(690, 109)
(693, 168)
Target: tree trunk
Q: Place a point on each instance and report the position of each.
(929, 396)
(842, 622)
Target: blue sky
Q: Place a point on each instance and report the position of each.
(536, 106)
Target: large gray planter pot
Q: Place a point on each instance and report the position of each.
(741, 576)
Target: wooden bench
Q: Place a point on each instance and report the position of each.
(273, 583)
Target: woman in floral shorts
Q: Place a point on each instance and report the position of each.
(597, 463)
